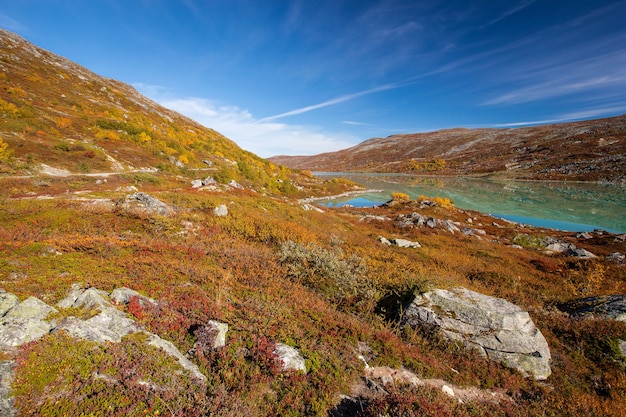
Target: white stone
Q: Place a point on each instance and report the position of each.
(290, 357)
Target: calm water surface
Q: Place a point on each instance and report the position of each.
(557, 205)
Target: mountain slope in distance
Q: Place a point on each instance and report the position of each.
(593, 150)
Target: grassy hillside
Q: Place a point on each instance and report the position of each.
(59, 114)
(275, 269)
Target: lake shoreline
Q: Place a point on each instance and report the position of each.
(559, 205)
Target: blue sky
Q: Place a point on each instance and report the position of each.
(308, 76)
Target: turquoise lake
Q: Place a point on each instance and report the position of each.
(567, 206)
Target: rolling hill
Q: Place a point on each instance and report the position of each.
(592, 150)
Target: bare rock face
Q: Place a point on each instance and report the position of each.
(123, 295)
(498, 329)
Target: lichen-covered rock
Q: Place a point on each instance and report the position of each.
(75, 291)
(290, 358)
(16, 332)
(24, 322)
(111, 324)
(30, 309)
(495, 327)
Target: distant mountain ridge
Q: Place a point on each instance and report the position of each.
(592, 150)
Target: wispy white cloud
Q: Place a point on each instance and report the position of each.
(569, 117)
(516, 8)
(11, 24)
(552, 89)
(264, 138)
(349, 122)
(331, 102)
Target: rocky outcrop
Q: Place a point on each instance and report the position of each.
(145, 203)
(27, 321)
(612, 307)
(203, 183)
(498, 329)
(7, 302)
(290, 358)
(108, 325)
(123, 295)
(419, 220)
(555, 246)
(235, 184)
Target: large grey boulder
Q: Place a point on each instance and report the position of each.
(498, 329)
(290, 358)
(569, 249)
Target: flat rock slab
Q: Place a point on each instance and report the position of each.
(495, 327)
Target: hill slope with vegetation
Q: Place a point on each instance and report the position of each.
(592, 150)
(277, 270)
(58, 117)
